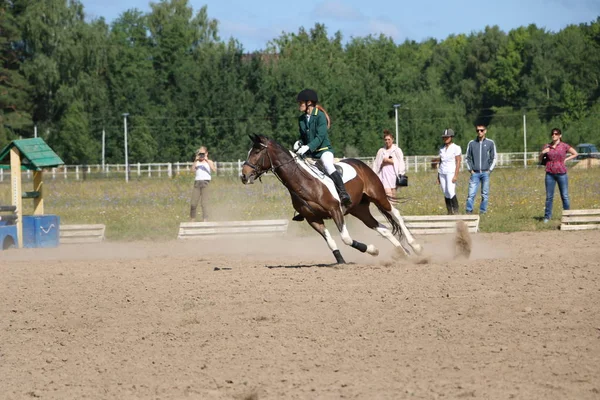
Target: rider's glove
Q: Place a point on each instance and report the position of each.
(297, 145)
(302, 150)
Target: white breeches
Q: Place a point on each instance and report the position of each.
(448, 187)
(327, 161)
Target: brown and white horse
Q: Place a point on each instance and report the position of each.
(312, 198)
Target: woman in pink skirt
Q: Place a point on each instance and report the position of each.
(389, 163)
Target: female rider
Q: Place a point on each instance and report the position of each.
(314, 139)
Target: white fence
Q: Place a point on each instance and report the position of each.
(234, 168)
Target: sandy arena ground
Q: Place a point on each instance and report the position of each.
(272, 319)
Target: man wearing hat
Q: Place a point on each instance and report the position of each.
(450, 159)
(481, 159)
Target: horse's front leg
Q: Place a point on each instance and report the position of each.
(319, 226)
(338, 218)
(409, 237)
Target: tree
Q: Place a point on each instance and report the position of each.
(15, 101)
(71, 140)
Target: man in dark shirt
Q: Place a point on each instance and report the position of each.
(481, 159)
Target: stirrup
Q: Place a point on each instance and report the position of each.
(346, 200)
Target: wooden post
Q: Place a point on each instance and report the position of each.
(38, 186)
(15, 185)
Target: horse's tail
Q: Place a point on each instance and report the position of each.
(396, 230)
(393, 199)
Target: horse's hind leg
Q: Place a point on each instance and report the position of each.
(338, 218)
(409, 237)
(363, 213)
(319, 226)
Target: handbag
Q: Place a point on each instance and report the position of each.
(544, 159)
(401, 180)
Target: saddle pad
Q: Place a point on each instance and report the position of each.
(347, 171)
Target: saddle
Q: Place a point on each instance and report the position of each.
(346, 171)
(316, 169)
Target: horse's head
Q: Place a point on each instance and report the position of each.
(258, 161)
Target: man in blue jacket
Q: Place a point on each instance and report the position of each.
(481, 159)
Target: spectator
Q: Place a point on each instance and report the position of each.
(481, 159)
(203, 167)
(389, 163)
(450, 158)
(556, 170)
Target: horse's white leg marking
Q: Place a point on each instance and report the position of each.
(371, 249)
(386, 233)
(345, 235)
(409, 237)
(330, 242)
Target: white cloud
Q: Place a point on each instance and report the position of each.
(244, 30)
(383, 26)
(336, 10)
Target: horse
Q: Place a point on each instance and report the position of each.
(315, 199)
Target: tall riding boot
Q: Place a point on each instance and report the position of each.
(341, 189)
(448, 205)
(454, 202)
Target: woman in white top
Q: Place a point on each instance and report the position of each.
(389, 163)
(202, 167)
(450, 159)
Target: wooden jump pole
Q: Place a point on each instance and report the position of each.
(16, 190)
(38, 186)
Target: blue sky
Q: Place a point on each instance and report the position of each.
(254, 23)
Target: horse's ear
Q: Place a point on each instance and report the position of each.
(254, 138)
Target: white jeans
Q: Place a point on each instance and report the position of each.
(327, 161)
(448, 187)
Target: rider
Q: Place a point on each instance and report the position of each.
(314, 140)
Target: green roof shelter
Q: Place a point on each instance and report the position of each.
(27, 154)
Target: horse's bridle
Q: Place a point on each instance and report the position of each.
(259, 171)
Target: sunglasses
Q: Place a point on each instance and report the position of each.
(555, 134)
(480, 130)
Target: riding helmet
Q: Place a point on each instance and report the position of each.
(448, 133)
(308, 95)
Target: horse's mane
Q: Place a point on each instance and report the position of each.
(262, 139)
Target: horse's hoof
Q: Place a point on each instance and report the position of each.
(417, 248)
(372, 250)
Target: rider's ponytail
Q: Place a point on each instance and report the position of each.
(320, 107)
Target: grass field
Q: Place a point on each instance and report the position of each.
(152, 209)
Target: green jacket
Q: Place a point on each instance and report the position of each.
(314, 133)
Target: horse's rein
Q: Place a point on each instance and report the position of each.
(260, 170)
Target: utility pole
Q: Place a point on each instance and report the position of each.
(524, 139)
(103, 147)
(396, 112)
(126, 157)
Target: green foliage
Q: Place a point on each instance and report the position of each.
(184, 87)
(72, 137)
(15, 102)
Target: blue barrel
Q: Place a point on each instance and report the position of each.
(8, 236)
(41, 230)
